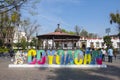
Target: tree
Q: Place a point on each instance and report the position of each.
(23, 43)
(77, 30)
(84, 33)
(1, 43)
(92, 35)
(115, 18)
(65, 31)
(33, 42)
(29, 28)
(107, 41)
(8, 5)
(7, 26)
(69, 32)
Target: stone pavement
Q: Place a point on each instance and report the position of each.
(112, 72)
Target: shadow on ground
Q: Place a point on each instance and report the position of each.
(110, 73)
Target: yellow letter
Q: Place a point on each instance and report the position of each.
(87, 58)
(50, 59)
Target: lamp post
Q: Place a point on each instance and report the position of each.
(119, 38)
(108, 31)
(36, 43)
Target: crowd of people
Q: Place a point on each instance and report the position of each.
(106, 52)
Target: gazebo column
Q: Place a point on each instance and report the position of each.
(47, 45)
(53, 43)
(42, 43)
(60, 44)
(72, 43)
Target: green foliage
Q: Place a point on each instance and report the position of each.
(115, 18)
(1, 43)
(23, 43)
(107, 41)
(77, 30)
(15, 17)
(84, 33)
(65, 31)
(69, 32)
(33, 42)
(10, 5)
(92, 35)
(3, 50)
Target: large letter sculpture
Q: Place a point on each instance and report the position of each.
(78, 52)
(32, 53)
(41, 57)
(69, 57)
(60, 53)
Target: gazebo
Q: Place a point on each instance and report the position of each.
(59, 40)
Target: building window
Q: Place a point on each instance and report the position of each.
(102, 44)
(97, 44)
(65, 45)
(74, 44)
(91, 45)
(118, 44)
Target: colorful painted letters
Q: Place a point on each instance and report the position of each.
(63, 57)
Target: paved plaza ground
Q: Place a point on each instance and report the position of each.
(112, 72)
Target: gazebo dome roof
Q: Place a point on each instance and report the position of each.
(58, 29)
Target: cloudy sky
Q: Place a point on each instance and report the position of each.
(91, 15)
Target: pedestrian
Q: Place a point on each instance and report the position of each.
(115, 54)
(110, 54)
(11, 52)
(103, 54)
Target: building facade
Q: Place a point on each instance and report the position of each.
(18, 35)
(99, 42)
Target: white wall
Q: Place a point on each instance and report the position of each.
(100, 40)
(88, 42)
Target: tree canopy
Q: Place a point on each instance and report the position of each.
(115, 18)
(107, 41)
(8, 5)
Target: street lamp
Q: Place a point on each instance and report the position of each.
(108, 30)
(36, 39)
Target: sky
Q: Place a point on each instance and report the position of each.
(91, 15)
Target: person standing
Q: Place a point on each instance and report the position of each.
(110, 54)
(11, 52)
(103, 54)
